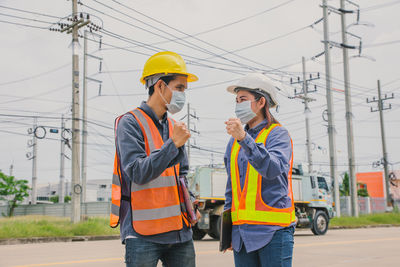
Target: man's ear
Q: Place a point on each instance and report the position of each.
(159, 86)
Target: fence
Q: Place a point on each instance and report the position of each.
(366, 205)
(60, 209)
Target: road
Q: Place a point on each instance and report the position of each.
(356, 247)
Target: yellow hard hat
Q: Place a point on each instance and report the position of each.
(166, 63)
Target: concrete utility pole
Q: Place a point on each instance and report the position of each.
(34, 163)
(84, 119)
(330, 112)
(304, 96)
(62, 158)
(381, 108)
(307, 115)
(349, 114)
(11, 169)
(84, 108)
(75, 183)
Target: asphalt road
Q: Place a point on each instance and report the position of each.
(357, 247)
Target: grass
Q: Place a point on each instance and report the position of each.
(366, 220)
(46, 226)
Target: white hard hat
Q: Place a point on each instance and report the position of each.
(258, 83)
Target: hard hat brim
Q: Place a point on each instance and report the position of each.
(190, 77)
(232, 89)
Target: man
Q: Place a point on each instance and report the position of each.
(147, 196)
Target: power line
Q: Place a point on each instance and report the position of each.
(25, 18)
(36, 75)
(208, 43)
(24, 25)
(241, 20)
(30, 12)
(156, 28)
(382, 44)
(380, 6)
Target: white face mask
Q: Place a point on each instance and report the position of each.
(244, 112)
(177, 102)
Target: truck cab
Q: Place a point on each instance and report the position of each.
(313, 200)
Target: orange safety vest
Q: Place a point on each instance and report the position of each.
(248, 207)
(157, 206)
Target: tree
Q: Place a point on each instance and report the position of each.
(54, 199)
(67, 199)
(13, 191)
(345, 188)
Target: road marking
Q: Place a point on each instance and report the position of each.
(318, 244)
(207, 252)
(71, 262)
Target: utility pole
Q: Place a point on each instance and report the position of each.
(11, 169)
(349, 114)
(75, 185)
(62, 157)
(304, 96)
(84, 118)
(330, 112)
(190, 115)
(381, 108)
(84, 109)
(307, 115)
(34, 163)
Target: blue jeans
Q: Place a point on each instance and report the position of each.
(277, 253)
(142, 253)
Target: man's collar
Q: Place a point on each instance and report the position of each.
(151, 113)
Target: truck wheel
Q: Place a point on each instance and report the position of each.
(198, 234)
(215, 227)
(320, 224)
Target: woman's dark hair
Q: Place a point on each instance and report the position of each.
(166, 79)
(267, 115)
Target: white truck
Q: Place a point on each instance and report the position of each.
(312, 198)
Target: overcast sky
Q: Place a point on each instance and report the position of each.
(36, 74)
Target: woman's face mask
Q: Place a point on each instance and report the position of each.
(177, 102)
(244, 112)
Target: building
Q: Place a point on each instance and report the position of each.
(96, 190)
(375, 184)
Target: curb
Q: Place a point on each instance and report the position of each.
(362, 226)
(32, 240)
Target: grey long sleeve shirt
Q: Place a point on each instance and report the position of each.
(140, 168)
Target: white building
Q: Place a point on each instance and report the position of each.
(96, 190)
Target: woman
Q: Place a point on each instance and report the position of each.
(258, 160)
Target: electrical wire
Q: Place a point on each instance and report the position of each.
(25, 18)
(36, 75)
(205, 42)
(24, 25)
(156, 28)
(381, 44)
(370, 8)
(30, 12)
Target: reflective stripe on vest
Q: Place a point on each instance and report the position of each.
(156, 206)
(248, 206)
(116, 186)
